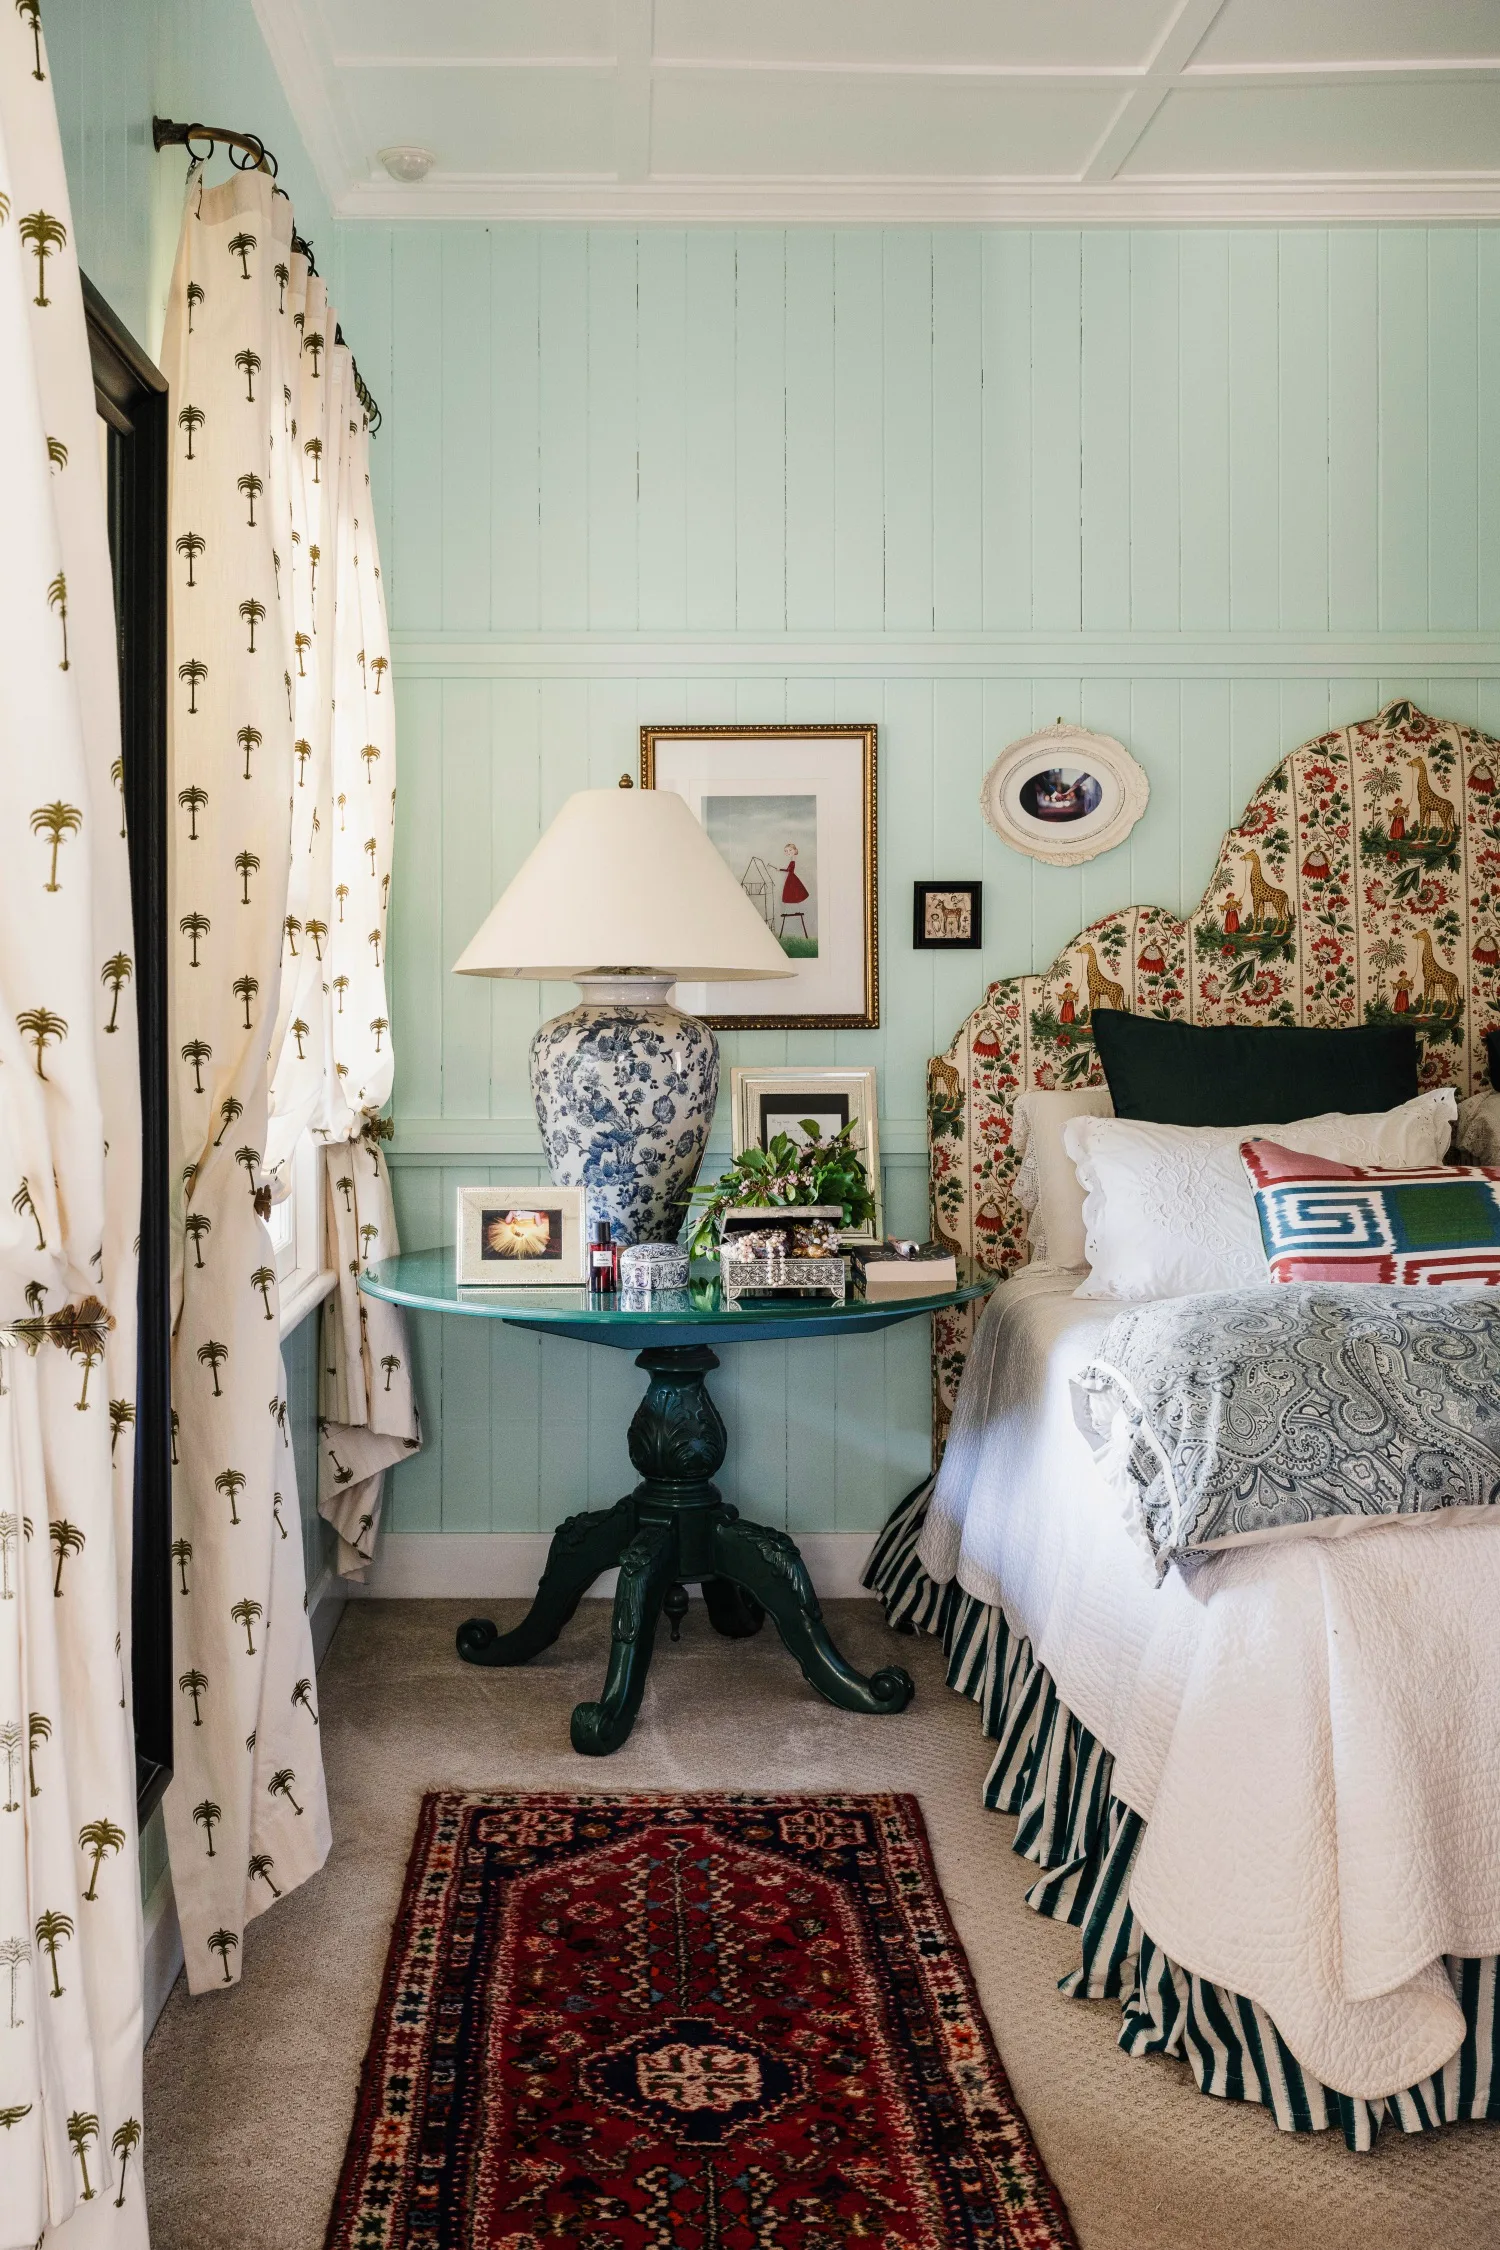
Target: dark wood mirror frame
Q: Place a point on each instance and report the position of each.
(130, 393)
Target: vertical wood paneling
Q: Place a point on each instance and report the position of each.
(1353, 431)
(858, 431)
(467, 428)
(1254, 499)
(710, 430)
(515, 372)
(1006, 464)
(1108, 389)
(1302, 418)
(563, 436)
(861, 431)
(613, 501)
(1155, 546)
(1203, 317)
(1056, 433)
(1403, 429)
(661, 425)
(908, 430)
(810, 511)
(1453, 431)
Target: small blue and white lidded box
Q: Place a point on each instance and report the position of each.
(648, 1270)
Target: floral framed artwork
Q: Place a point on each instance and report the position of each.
(947, 917)
(1064, 794)
(512, 1237)
(792, 810)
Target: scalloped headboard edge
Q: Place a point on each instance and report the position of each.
(1362, 885)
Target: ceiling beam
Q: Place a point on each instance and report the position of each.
(1185, 33)
(635, 32)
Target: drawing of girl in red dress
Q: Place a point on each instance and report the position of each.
(794, 893)
(1398, 821)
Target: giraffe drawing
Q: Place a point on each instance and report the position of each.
(1103, 991)
(1440, 987)
(1270, 909)
(1435, 814)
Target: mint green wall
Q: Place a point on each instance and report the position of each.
(115, 64)
(1208, 491)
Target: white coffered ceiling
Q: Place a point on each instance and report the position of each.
(1083, 111)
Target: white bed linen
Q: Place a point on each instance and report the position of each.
(1312, 1731)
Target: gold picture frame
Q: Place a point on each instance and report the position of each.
(833, 769)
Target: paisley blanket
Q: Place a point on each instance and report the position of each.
(1254, 1414)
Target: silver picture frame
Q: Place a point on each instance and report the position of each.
(766, 1099)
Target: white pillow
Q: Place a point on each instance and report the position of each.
(1168, 1209)
(1046, 1184)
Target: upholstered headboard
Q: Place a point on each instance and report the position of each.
(1361, 886)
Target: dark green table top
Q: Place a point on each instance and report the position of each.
(423, 1281)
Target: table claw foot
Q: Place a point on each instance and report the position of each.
(765, 1565)
(581, 1548)
(731, 1611)
(647, 1568)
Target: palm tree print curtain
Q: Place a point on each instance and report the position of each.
(368, 1411)
(70, 2003)
(247, 1808)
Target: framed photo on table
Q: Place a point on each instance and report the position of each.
(766, 1101)
(792, 810)
(515, 1236)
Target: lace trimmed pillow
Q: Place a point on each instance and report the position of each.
(1322, 1221)
(1168, 1209)
(1046, 1183)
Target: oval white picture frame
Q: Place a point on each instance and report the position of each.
(1067, 836)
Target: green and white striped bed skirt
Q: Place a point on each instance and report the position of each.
(1055, 1777)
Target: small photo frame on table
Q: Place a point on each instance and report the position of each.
(766, 1101)
(529, 1236)
(947, 917)
(792, 810)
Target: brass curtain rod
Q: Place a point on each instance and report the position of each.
(248, 153)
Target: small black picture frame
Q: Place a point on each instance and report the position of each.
(947, 917)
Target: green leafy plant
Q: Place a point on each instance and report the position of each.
(785, 1174)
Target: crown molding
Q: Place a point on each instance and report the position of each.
(322, 113)
(599, 199)
(885, 656)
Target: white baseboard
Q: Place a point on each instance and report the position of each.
(161, 1949)
(505, 1565)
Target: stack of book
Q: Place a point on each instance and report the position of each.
(886, 1270)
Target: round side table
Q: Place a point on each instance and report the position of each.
(675, 1528)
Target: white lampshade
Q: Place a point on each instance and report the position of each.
(624, 879)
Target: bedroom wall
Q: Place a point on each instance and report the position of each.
(1208, 491)
(116, 64)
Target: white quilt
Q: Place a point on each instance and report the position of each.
(1311, 1730)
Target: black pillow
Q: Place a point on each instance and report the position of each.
(1492, 1048)
(1250, 1074)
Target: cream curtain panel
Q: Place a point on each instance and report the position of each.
(247, 1816)
(70, 2002)
(368, 1411)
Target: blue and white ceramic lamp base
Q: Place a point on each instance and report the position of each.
(625, 1087)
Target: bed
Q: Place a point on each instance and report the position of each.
(1266, 1792)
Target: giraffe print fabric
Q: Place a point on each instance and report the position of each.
(1361, 885)
(257, 407)
(70, 1996)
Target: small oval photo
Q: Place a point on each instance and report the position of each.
(1060, 794)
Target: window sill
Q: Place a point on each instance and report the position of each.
(303, 1295)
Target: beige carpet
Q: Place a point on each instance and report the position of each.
(249, 2096)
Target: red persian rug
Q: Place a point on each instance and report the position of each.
(683, 2023)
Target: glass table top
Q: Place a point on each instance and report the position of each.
(425, 1281)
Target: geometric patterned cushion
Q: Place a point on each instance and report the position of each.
(1321, 1221)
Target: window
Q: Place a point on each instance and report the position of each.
(297, 1233)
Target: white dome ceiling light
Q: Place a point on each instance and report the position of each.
(407, 162)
